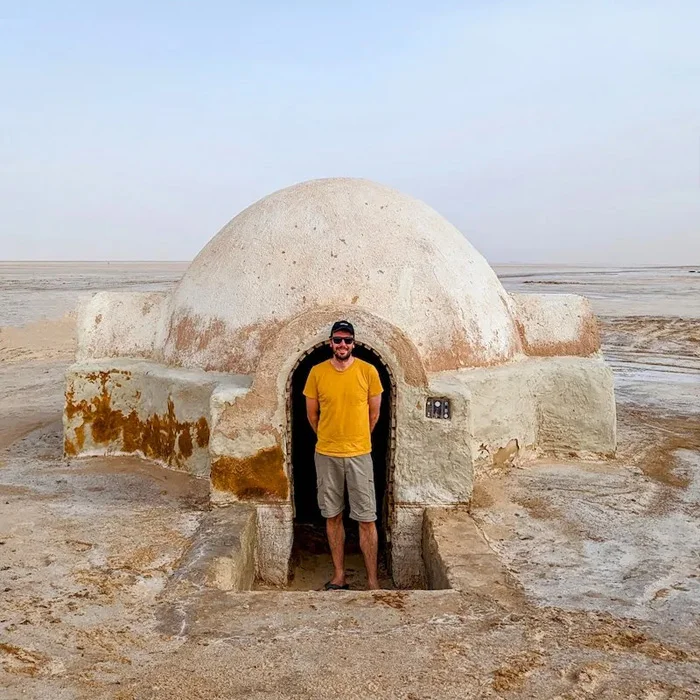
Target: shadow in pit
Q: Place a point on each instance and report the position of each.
(311, 565)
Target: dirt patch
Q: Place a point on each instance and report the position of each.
(663, 437)
(538, 508)
(481, 496)
(392, 599)
(632, 640)
(19, 660)
(512, 675)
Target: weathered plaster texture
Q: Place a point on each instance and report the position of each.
(222, 554)
(559, 404)
(457, 555)
(556, 324)
(407, 570)
(135, 406)
(407, 264)
(275, 526)
(432, 456)
(197, 380)
(122, 324)
(576, 406)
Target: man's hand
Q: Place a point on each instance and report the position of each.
(375, 403)
(312, 413)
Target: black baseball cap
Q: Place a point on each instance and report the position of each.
(343, 326)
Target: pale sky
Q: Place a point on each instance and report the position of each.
(545, 131)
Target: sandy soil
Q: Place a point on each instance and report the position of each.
(606, 553)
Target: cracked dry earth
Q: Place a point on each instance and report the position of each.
(606, 555)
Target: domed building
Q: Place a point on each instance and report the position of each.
(208, 378)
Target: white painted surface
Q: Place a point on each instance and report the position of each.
(122, 324)
(550, 320)
(343, 242)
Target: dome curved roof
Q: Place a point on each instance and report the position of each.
(339, 242)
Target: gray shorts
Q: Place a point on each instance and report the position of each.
(331, 475)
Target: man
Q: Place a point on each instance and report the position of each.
(348, 393)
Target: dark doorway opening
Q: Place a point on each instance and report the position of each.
(310, 555)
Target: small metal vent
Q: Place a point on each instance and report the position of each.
(438, 407)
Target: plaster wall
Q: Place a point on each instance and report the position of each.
(233, 428)
(556, 324)
(500, 413)
(250, 464)
(408, 266)
(407, 569)
(222, 554)
(275, 526)
(122, 324)
(457, 555)
(560, 404)
(140, 407)
(576, 406)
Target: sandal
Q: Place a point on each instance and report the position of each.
(328, 586)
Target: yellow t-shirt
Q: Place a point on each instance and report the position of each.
(343, 426)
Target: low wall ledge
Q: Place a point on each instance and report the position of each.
(161, 371)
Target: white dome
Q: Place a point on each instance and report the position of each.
(338, 243)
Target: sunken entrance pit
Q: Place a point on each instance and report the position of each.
(206, 378)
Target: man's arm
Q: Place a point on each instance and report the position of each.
(375, 403)
(312, 413)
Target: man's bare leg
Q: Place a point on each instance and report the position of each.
(369, 546)
(336, 539)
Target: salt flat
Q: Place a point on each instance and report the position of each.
(606, 552)
(33, 291)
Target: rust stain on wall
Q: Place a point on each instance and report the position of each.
(202, 428)
(585, 344)
(212, 346)
(184, 443)
(192, 333)
(459, 353)
(160, 437)
(69, 448)
(80, 436)
(259, 477)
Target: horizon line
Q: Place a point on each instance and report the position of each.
(492, 264)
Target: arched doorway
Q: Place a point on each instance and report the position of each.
(309, 525)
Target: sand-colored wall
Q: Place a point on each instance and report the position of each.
(562, 404)
(140, 407)
(122, 324)
(553, 325)
(339, 243)
(498, 413)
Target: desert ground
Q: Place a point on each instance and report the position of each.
(605, 555)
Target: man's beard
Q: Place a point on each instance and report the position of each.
(343, 358)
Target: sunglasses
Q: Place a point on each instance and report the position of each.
(337, 340)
